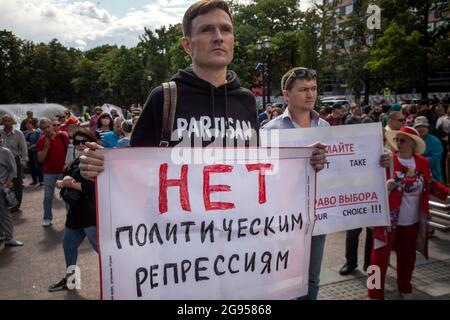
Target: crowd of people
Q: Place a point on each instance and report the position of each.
(431, 118)
(49, 150)
(430, 122)
(61, 152)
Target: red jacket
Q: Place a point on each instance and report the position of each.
(395, 199)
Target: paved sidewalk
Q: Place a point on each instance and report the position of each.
(431, 278)
(27, 272)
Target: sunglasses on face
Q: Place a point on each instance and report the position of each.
(78, 142)
(56, 124)
(300, 74)
(401, 120)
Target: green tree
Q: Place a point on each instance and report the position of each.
(86, 83)
(278, 20)
(354, 42)
(12, 73)
(121, 69)
(160, 52)
(39, 79)
(397, 57)
(161, 56)
(53, 68)
(412, 18)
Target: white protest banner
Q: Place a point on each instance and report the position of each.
(351, 190)
(229, 230)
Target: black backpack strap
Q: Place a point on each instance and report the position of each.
(169, 111)
(63, 142)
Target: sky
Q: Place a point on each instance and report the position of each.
(87, 24)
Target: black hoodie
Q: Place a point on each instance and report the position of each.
(198, 103)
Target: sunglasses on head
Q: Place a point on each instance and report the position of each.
(300, 74)
(78, 142)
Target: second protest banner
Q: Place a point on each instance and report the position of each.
(351, 190)
(227, 230)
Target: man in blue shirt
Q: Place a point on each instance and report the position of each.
(299, 87)
(111, 138)
(300, 92)
(266, 115)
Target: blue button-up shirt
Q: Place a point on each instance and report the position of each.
(285, 121)
(110, 139)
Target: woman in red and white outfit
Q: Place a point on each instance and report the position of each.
(409, 184)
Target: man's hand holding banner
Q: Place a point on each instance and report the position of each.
(238, 228)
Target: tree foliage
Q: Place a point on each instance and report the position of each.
(390, 53)
(402, 50)
(408, 48)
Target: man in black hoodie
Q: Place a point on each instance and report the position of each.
(204, 112)
(212, 106)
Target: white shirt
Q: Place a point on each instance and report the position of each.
(285, 121)
(410, 207)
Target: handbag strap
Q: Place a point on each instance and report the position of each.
(169, 110)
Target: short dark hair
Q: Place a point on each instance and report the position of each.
(412, 109)
(443, 105)
(277, 105)
(337, 106)
(127, 126)
(31, 121)
(367, 109)
(277, 110)
(85, 133)
(199, 8)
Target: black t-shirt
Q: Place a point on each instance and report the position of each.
(23, 124)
